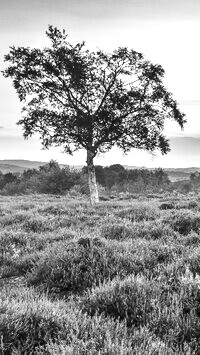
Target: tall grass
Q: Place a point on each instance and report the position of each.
(119, 278)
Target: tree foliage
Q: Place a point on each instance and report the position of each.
(48, 179)
(92, 100)
(135, 179)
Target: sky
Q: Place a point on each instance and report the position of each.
(165, 31)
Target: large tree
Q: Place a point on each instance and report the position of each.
(77, 98)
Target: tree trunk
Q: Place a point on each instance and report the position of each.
(94, 195)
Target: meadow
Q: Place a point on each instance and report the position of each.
(118, 278)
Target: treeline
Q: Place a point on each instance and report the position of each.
(193, 184)
(53, 179)
(48, 179)
(195, 178)
(119, 179)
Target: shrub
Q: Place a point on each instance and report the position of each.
(148, 254)
(14, 188)
(146, 229)
(192, 239)
(168, 275)
(176, 316)
(74, 266)
(117, 231)
(14, 219)
(104, 198)
(130, 299)
(183, 221)
(54, 210)
(166, 206)
(26, 206)
(152, 230)
(27, 321)
(192, 204)
(32, 324)
(171, 315)
(186, 204)
(37, 224)
(139, 212)
(140, 342)
(21, 265)
(193, 261)
(11, 244)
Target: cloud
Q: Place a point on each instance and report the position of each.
(190, 102)
(184, 136)
(1, 127)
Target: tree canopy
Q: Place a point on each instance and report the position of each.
(76, 98)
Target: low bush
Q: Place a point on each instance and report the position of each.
(118, 231)
(32, 324)
(76, 265)
(192, 204)
(191, 239)
(172, 315)
(139, 212)
(20, 265)
(11, 244)
(131, 299)
(177, 316)
(183, 221)
(152, 230)
(147, 255)
(140, 342)
(38, 224)
(187, 205)
(166, 206)
(14, 219)
(193, 261)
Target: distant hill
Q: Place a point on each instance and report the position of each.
(9, 168)
(23, 163)
(180, 173)
(18, 166)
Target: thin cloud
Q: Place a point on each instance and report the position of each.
(184, 136)
(190, 102)
(1, 127)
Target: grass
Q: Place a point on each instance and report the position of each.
(119, 278)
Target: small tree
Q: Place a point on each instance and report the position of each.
(92, 100)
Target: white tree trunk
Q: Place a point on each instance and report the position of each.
(94, 195)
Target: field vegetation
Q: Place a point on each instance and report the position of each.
(50, 178)
(121, 277)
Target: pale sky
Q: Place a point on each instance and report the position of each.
(165, 31)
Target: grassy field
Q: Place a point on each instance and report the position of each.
(119, 278)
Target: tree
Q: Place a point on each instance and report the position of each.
(77, 98)
(114, 175)
(100, 174)
(50, 178)
(56, 180)
(7, 179)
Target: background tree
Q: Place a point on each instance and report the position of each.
(100, 174)
(7, 179)
(92, 100)
(56, 180)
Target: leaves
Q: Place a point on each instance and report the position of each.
(95, 100)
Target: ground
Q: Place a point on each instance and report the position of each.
(122, 277)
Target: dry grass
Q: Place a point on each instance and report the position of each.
(119, 278)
